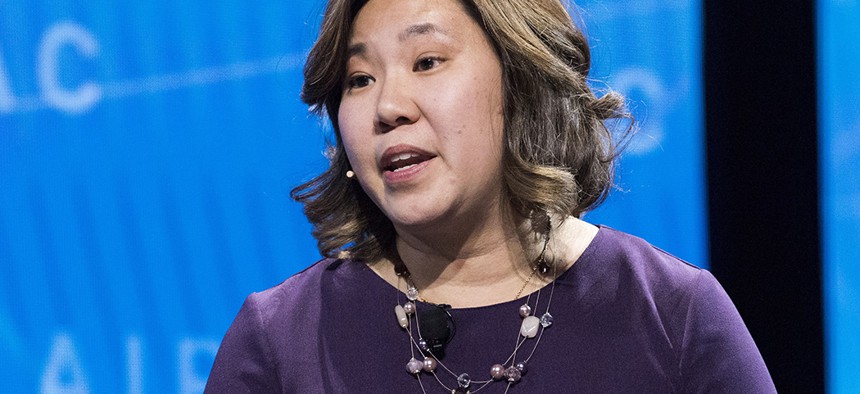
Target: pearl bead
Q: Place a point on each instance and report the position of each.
(525, 310)
(522, 367)
(414, 366)
(430, 364)
(529, 328)
(423, 345)
(409, 308)
(513, 375)
(497, 371)
(401, 316)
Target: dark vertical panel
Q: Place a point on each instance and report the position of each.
(762, 177)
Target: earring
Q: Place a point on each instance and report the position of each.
(350, 174)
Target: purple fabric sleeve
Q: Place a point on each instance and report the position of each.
(244, 362)
(718, 354)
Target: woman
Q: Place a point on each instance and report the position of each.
(468, 144)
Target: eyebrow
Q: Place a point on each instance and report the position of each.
(420, 29)
(356, 49)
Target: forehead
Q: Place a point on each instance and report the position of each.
(406, 19)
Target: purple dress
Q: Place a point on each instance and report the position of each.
(628, 317)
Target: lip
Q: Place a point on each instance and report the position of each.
(408, 174)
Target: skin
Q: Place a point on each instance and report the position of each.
(424, 79)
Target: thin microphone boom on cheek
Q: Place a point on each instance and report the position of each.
(436, 328)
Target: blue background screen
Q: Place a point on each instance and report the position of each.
(147, 149)
(839, 146)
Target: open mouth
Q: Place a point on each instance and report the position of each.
(398, 160)
(404, 161)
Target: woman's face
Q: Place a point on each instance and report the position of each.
(421, 114)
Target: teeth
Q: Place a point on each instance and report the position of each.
(403, 168)
(403, 156)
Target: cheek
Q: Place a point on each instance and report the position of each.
(351, 135)
(346, 121)
(484, 116)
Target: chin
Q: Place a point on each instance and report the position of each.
(413, 220)
(416, 218)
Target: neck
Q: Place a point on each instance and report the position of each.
(485, 267)
(484, 262)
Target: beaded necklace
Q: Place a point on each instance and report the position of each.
(511, 371)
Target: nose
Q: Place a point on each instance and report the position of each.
(395, 106)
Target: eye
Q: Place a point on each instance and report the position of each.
(426, 63)
(358, 81)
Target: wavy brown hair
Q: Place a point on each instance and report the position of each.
(559, 153)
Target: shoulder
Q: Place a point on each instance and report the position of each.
(685, 304)
(295, 287)
(629, 272)
(301, 294)
(622, 272)
(280, 326)
(615, 256)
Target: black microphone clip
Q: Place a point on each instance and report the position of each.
(436, 328)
